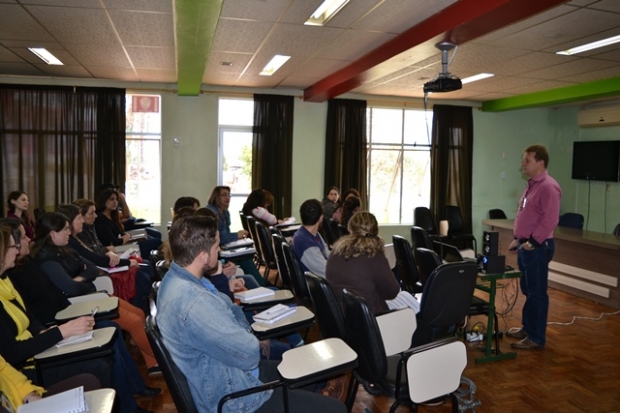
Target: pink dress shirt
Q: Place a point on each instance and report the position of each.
(539, 209)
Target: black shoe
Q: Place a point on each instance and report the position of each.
(526, 344)
(520, 334)
(149, 392)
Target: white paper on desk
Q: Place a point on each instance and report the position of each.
(76, 339)
(112, 270)
(289, 221)
(70, 401)
(253, 294)
(244, 242)
(127, 253)
(237, 252)
(275, 313)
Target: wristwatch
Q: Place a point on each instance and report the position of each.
(529, 244)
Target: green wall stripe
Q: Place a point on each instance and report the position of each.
(585, 91)
(196, 21)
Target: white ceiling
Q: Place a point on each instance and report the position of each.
(134, 40)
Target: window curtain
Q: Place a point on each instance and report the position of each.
(451, 161)
(346, 147)
(60, 143)
(272, 149)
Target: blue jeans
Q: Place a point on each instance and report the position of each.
(125, 376)
(534, 267)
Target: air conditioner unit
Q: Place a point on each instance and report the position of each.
(601, 116)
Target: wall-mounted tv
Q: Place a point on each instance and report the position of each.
(596, 161)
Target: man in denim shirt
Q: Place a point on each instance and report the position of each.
(209, 337)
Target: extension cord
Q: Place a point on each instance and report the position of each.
(472, 337)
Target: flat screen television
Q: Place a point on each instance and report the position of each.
(596, 161)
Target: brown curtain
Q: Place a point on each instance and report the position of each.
(272, 149)
(346, 146)
(451, 161)
(60, 143)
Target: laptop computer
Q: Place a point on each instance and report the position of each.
(447, 252)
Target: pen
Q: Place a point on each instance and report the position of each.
(94, 312)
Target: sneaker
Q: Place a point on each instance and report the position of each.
(520, 334)
(154, 371)
(526, 344)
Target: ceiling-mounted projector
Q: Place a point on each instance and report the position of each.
(444, 82)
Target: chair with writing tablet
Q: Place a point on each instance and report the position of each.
(285, 274)
(298, 280)
(267, 252)
(406, 265)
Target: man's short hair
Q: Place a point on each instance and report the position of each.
(310, 211)
(540, 153)
(190, 236)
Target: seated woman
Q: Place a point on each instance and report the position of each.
(17, 203)
(219, 201)
(345, 195)
(352, 205)
(143, 274)
(59, 263)
(19, 390)
(109, 228)
(23, 337)
(358, 263)
(256, 206)
(330, 203)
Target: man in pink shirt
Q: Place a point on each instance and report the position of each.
(537, 217)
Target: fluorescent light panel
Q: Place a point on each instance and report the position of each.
(590, 46)
(46, 56)
(274, 64)
(474, 78)
(325, 11)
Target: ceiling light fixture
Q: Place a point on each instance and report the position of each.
(474, 78)
(325, 11)
(46, 56)
(590, 46)
(274, 64)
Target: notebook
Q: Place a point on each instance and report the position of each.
(275, 313)
(70, 401)
(75, 339)
(249, 295)
(244, 242)
(112, 270)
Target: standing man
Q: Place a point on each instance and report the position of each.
(537, 217)
(208, 336)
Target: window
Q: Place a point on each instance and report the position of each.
(235, 119)
(398, 163)
(143, 143)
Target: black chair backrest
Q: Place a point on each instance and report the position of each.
(254, 234)
(333, 228)
(342, 230)
(447, 295)
(266, 245)
(420, 238)
(616, 230)
(455, 220)
(283, 270)
(175, 379)
(423, 218)
(405, 264)
(328, 313)
(571, 220)
(497, 214)
(298, 280)
(155, 256)
(326, 233)
(364, 337)
(161, 268)
(244, 221)
(428, 261)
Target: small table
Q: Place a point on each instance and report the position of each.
(279, 296)
(288, 230)
(491, 289)
(107, 309)
(314, 361)
(301, 318)
(100, 401)
(99, 346)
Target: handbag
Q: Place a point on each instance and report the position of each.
(125, 283)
